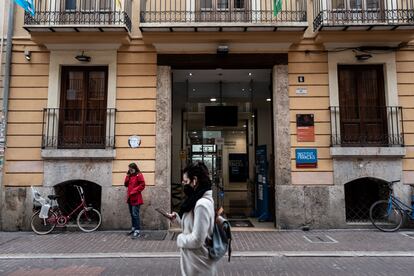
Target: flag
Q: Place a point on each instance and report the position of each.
(118, 4)
(277, 6)
(27, 5)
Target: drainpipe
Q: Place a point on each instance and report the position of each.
(6, 90)
(2, 37)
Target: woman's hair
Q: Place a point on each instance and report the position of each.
(135, 167)
(199, 170)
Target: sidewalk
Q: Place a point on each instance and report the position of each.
(347, 243)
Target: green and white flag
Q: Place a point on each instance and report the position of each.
(277, 6)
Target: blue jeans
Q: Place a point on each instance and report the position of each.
(134, 211)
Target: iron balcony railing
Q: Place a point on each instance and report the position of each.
(218, 11)
(78, 128)
(363, 12)
(376, 126)
(81, 12)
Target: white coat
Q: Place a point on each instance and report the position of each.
(197, 225)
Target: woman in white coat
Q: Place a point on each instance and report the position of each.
(196, 218)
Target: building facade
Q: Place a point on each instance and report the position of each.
(301, 109)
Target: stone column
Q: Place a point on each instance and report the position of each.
(162, 190)
(281, 124)
(289, 200)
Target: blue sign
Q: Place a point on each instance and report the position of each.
(306, 158)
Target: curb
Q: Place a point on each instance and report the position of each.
(254, 254)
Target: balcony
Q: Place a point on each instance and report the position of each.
(67, 16)
(369, 126)
(222, 16)
(65, 128)
(363, 15)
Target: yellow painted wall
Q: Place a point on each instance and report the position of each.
(314, 68)
(135, 102)
(136, 110)
(28, 97)
(405, 81)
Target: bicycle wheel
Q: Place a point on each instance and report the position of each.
(89, 220)
(43, 226)
(384, 219)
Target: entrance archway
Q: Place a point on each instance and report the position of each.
(360, 194)
(69, 197)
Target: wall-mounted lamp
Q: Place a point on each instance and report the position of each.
(27, 55)
(222, 50)
(83, 57)
(362, 57)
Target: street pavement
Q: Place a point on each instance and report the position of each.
(316, 252)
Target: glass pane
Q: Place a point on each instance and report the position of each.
(96, 89)
(222, 4)
(206, 4)
(75, 86)
(70, 5)
(105, 4)
(239, 4)
(89, 5)
(338, 4)
(355, 4)
(373, 4)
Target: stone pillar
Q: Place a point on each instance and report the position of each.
(289, 200)
(281, 124)
(162, 191)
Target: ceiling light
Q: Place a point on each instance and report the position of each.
(243, 89)
(194, 89)
(268, 100)
(362, 57)
(83, 57)
(244, 125)
(222, 50)
(194, 132)
(253, 116)
(250, 73)
(190, 74)
(213, 99)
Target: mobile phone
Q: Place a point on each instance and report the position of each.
(162, 212)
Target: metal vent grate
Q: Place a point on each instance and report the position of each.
(319, 239)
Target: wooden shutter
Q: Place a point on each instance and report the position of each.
(362, 105)
(82, 113)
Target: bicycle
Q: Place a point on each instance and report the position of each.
(88, 219)
(388, 215)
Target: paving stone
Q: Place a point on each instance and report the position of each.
(238, 266)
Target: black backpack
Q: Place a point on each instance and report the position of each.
(220, 242)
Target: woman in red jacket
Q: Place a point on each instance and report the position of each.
(135, 183)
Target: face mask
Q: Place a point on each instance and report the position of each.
(132, 171)
(188, 190)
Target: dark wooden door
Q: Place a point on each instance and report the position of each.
(362, 105)
(82, 116)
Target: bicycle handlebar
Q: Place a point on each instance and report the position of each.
(391, 183)
(80, 190)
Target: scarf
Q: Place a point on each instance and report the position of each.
(191, 200)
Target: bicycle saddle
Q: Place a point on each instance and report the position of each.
(53, 197)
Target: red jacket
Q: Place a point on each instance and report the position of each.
(135, 184)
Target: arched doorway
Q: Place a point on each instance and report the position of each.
(69, 197)
(360, 194)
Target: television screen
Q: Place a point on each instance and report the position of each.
(221, 115)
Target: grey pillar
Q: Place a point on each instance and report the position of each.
(281, 125)
(162, 190)
(289, 199)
